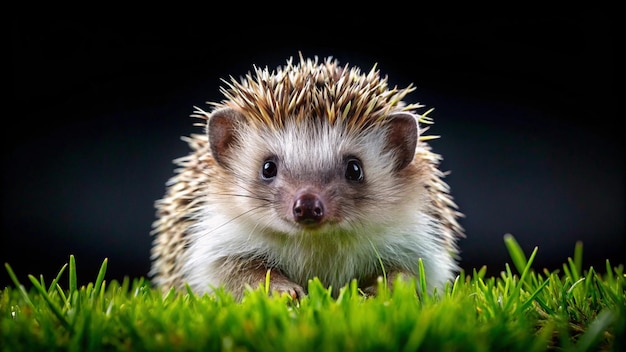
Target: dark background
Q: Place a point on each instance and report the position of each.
(524, 102)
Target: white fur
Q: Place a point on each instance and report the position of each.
(394, 227)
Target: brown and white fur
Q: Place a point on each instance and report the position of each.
(310, 170)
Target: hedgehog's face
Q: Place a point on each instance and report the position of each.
(311, 176)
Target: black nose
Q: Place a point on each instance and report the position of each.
(308, 209)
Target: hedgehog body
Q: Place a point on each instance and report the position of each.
(310, 170)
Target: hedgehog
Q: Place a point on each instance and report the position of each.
(311, 170)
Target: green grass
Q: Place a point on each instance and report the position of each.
(520, 310)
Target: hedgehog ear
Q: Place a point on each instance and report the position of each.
(221, 130)
(402, 136)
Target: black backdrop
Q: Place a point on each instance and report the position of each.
(524, 102)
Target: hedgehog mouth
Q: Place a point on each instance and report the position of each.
(316, 227)
(310, 223)
(311, 226)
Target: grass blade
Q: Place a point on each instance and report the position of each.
(533, 295)
(578, 259)
(53, 307)
(19, 286)
(515, 252)
(518, 287)
(593, 335)
(609, 271)
(422, 276)
(380, 262)
(55, 282)
(73, 279)
(100, 278)
(573, 270)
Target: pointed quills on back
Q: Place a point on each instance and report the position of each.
(339, 94)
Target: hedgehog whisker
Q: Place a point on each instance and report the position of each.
(249, 196)
(247, 212)
(250, 192)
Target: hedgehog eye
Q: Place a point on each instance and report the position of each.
(269, 170)
(354, 170)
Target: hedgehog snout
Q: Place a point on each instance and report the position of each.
(308, 208)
